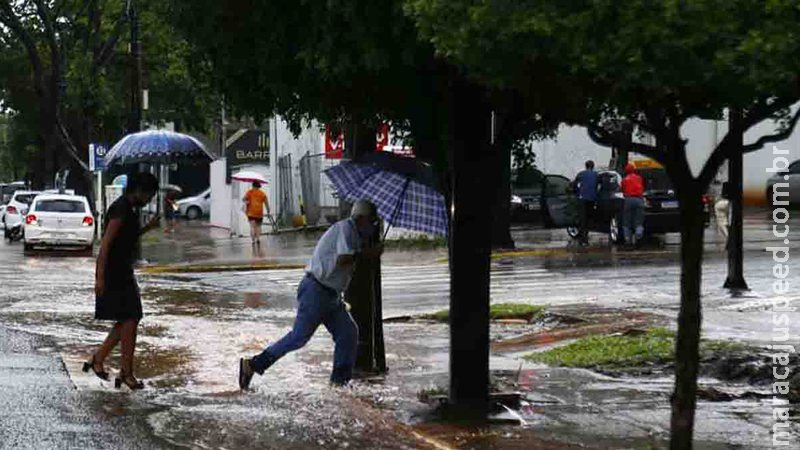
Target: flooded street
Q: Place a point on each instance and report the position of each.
(197, 325)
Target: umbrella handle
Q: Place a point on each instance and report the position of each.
(388, 227)
(396, 207)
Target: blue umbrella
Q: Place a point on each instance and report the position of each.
(403, 192)
(157, 147)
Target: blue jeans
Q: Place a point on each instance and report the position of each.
(317, 305)
(633, 218)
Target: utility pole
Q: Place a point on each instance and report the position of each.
(135, 119)
(735, 278)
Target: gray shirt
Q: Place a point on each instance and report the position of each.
(341, 239)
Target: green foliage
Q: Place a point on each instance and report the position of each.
(420, 242)
(326, 60)
(92, 38)
(655, 346)
(500, 311)
(697, 56)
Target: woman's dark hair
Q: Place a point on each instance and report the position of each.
(256, 185)
(142, 182)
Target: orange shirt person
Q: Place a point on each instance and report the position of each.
(255, 201)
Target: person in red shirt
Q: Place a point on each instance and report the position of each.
(633, 212)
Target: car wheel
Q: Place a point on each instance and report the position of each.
(614, 231)
(193, 213)
(28, 247)
(573, 231)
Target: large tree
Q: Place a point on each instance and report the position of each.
(359, 62)
(65, 64)
(653, 65)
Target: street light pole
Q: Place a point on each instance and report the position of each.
(135, 120)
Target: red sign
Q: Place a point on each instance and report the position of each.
(333, 149)
(382, 138)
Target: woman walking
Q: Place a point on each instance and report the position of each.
(117, 295)
(255, 201)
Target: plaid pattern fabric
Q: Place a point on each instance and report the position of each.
(401, 202)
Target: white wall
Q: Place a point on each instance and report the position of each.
(226, 199)
(566, 154)
(220, 195)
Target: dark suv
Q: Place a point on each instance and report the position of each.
(662, 211)
(540, 198)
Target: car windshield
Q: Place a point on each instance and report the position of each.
(655, 180)
(61, 206)
(25, 198)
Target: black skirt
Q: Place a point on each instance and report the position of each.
(121, 300)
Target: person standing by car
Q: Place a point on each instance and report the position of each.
(117, 295)
(319, 296)
(255, 201)
(633, 211)
(585, 186)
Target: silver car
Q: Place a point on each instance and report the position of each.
(790, 176)
(195, 207)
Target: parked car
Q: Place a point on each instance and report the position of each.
(59, 220)
(662, 210)
(537, 197)
(792, 176)
(526, 195)
(195, 207)
(7, 190)
(16, 209)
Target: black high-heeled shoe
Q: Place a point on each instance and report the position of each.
(132, 383)
(102, 374)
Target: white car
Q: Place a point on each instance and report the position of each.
(195, 207)
(16, 209)
(59, 220)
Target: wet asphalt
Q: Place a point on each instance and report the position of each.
(198, 324)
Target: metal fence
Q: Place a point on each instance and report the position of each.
(286, 194)
(310, 172)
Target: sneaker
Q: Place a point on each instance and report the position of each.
(245, 373)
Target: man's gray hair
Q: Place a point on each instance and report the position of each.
(363, 208)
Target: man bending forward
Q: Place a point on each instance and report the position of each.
(319, 297)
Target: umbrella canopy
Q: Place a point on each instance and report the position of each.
(404, 198)
(249, 176)
(157, 147)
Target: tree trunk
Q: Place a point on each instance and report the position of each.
(689, 319)
(501, 214)
(470, 250)
(363, 293)
(735, 279)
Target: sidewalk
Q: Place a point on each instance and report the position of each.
(42, 409)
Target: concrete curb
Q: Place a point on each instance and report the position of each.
(201, 268)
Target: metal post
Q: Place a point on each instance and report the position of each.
(735, 278)
(135, 120)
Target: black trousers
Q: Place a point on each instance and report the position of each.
(586, 212)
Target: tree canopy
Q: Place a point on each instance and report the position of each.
(655, 64)
(65, 71)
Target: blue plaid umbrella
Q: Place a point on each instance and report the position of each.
(157, 147)
(403, 199)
